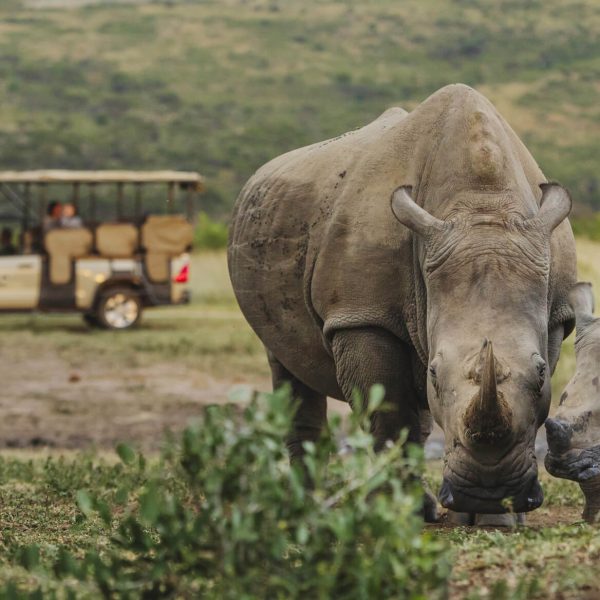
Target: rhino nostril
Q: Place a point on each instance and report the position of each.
(535, 496)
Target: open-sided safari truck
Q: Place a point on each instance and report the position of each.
(110, 260)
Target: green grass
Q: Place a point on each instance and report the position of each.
(223, 87)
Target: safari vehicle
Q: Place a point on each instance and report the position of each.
(111, 262)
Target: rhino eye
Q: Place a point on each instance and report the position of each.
(432, 371)
(541, 368)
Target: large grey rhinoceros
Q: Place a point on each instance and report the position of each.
(427, 252)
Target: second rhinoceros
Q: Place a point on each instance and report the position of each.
(427, 252)
(574, 432)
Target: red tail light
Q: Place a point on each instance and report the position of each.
(183, 275)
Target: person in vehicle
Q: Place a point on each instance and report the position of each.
(53, 215)
(70, 218)
(7, 248)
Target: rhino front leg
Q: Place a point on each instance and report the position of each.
(364, 357)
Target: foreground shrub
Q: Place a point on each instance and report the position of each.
(225, 516)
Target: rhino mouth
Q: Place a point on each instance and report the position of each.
(507, 486)
(576, 464)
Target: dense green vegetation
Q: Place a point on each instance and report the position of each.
(222, 86)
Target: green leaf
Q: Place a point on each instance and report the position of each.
(150, 506)
(376, 396)
(30, 557)
(122, 495)
(126, 453)
(85, 503)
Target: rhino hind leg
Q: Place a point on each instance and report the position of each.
(311, 413)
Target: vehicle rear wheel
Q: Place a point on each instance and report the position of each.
(119, 308)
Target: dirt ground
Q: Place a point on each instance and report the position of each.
(45, 402)
(52, 395)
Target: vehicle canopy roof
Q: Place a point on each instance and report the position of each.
(184, 178)
(16, 189)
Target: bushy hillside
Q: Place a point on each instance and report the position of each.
(222, 86)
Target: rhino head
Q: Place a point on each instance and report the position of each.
(485, 271)
(574, 432)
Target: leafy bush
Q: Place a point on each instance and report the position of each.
(209, 235)
(225, 516)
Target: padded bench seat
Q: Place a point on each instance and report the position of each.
(63, 246)
(164, 237)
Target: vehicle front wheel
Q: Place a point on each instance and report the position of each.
(119, 308)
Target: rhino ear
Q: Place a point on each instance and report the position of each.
(555, 206)
(409, 213)
(581, 299)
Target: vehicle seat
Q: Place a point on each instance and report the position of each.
(164, 237)
(116, 240)
(63, 245)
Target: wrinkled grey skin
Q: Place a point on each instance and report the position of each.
(419, 252)
(574, 432)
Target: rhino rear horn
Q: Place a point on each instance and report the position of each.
(555, 206)
(581, 299)
(409, 213)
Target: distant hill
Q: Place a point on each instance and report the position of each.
(222, 86)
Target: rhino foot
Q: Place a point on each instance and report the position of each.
(464, 519)
(460, 519)
(430, 506)
(509, 520)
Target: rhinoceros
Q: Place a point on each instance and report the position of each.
(574, 432)
(425, 251)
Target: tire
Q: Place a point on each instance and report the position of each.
(118, 308)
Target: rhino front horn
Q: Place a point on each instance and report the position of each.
(488, 393)
(488, 417)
